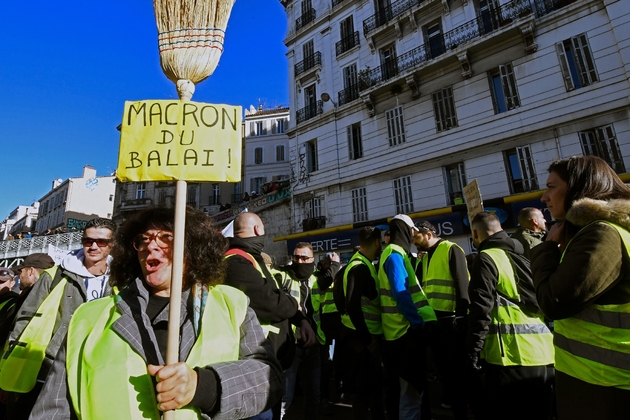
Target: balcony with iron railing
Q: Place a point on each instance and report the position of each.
(308, 63)
(348, 94)
(307, 17)
(544, 7)
(135, 204)
(309, 111)
(347, 43)
(313, 223)
(387, 14)
(477, 28)
(337, 2)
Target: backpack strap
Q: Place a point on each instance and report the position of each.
(241, 253)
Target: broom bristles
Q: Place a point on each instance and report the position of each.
(190, 36)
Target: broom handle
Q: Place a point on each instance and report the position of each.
(172, 350)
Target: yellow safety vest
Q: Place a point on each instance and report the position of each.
(316, 301)
(514, 337)
(437, 280)
(371, 309)
(23, 359)
(395, 325)
(594, 344)
(266, 327)
(107, 378)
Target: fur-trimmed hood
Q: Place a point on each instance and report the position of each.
(587, 210)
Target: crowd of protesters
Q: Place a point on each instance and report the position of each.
(535, 325)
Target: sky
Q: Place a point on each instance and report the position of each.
(67, 67)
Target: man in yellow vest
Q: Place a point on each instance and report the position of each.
(443, 274)
(42, 322)
(405, 309)
(247, 271)
(507, 338)
(361, 327)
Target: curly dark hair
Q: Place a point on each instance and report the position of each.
(204, 247)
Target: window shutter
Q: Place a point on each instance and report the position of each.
(509, 86)
(252, 128)
(564, 66)
(584, 59)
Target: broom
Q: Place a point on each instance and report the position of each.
(190, 41)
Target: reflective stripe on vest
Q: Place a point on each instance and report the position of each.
(100, 363)
(437, 280)
(23, 359)
(594, 344)
(249, 257)
(371, 309)
(514, 338)
(395, 325)
(316, 299)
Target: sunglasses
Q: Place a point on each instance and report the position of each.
(101, 242)
(162, 239)
(302, 258)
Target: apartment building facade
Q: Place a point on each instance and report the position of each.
(399, 104)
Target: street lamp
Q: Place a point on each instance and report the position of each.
(326, 97)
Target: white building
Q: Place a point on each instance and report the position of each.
(71, 203)
(22, 219)
(399, 104)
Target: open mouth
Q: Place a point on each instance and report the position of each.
(153, 264)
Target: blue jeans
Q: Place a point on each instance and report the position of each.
(307, 362)
(410, 402)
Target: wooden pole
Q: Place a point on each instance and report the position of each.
(172, 351)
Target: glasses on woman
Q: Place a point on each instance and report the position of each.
(162, 239)
(101, 242)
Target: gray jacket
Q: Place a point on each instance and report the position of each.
(74, 295)
(529, 239)
(247, 386)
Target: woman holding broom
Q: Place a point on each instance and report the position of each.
(116, 346)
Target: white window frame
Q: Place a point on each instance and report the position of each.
(280, 153)
(455, 181)
(509, 91)
(141, 190)
(216, 194)
(313, 208)
(359, 205)
(395, 126)
(403, 195)
(602, 142)
(261, 128)
(582, 60)
(256, 183)
(525, 161)
(444, 109)
(258, 156)
(355, 141)
(280, 124)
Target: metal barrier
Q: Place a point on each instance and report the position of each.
(22, 247)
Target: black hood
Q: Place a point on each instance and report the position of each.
(400, 234)
(502, 240)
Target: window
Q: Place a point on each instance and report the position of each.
(402, 192)
(435, 43)
(355, 144)
(311, 156)
(162, 197)
(191, 195)
(280, 153)
(308, 52)
(313, 208)
(520, 168)
(389, 67)
(359, 205)
(252, 128)
(258, 155)
(504, 90)
(444, 109)
(576, 62)
(140, 190)
(350, 90)
(261, 130)
(216, 195)
(488, 17)
(256, 183)
(602, 142)
(395, 126)
(237, 196)
(280, 123)
(455, 182)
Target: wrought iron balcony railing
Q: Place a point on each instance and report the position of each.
(336, 2)
(313, 223)
(307, 17)
(308, 63)
(348, 95)
(388, 13)
(485, 24)
(544, 7)
(309, 111)
(347, 43)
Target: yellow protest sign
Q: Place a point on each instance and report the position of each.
(166, 140)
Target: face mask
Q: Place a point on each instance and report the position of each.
(256, 242)
(303, 270)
